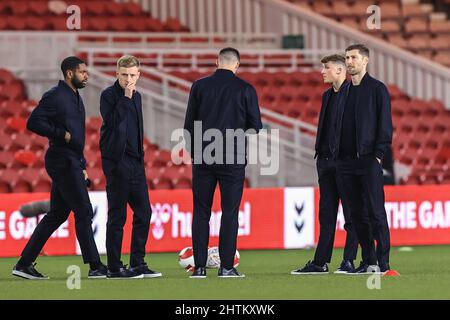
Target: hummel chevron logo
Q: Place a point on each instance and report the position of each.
(299, 223)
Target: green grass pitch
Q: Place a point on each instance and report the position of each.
(425, 274)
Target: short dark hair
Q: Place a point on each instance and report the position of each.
(229, 52)
(363, 50)
(70, 63)
(336, 58)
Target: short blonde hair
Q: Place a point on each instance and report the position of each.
(127, 61)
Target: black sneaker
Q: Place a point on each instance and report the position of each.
(311, 268)
(123, 273)
(345, 267)
(148, 273)
(384, 267)
(365, 269)
(229, 273)
(199, 273)
(28, 272)
(99, 273)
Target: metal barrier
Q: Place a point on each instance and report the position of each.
(201, 59)
(164, 101)
(417, 76)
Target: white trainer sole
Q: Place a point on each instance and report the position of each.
(308, 273)
(197, 277)
(141, 276)
(155, 275)
(27, 276)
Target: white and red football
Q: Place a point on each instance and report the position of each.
(186, 259)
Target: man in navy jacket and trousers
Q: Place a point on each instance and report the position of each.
(60, 116)
(330, 184)
(364, 133)
(219, 102)
(121, 146)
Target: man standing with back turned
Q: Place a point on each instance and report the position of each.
(221, 102)
(121, 146)
(60, 116)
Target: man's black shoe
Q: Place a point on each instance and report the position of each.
(311, 268)
(144, 269)
(365, 269)
(28, 272)
(384, 267)
(346, 267)
(199, 273)
(229, 273)
(123, 273)
(99, 273)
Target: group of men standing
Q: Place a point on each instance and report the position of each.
(354, 133)
(355, 130)
(60, 116)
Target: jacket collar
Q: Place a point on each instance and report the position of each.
(65, 86)
(224, 72)
(118, 88)
(364, 79)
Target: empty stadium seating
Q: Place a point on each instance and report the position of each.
(96, 15)
(421, 128)
(408, 24)
(421, 137)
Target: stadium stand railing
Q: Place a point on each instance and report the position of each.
(164, 112)
(415, 75)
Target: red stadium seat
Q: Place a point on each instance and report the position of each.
(20, 141)
(5, 141)
(4, 187)
(97, 178)
(114, 9)
(32, 175)
(15, 23)
(132, 9)
(13, 90)
(163, 158)
(162, 183)
(6, 76)
(96, 8)
(37, 23)
(43, 184)
(93, 124)
(38, 8)
(59, 23)
(182, 184)
(92, 158)
(11, 108)
(39, 160)
(16, 124)
(6, 159)
(118, 24)
(38, 142)
(18, 8)
(96, 23)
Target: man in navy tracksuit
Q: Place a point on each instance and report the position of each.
(219, 103)
(60, 116)
(365, 134)
(334, 72)
(121, 146)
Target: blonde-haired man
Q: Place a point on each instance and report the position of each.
(121, 146)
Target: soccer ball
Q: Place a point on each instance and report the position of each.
(186, 259)
(214, 258)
